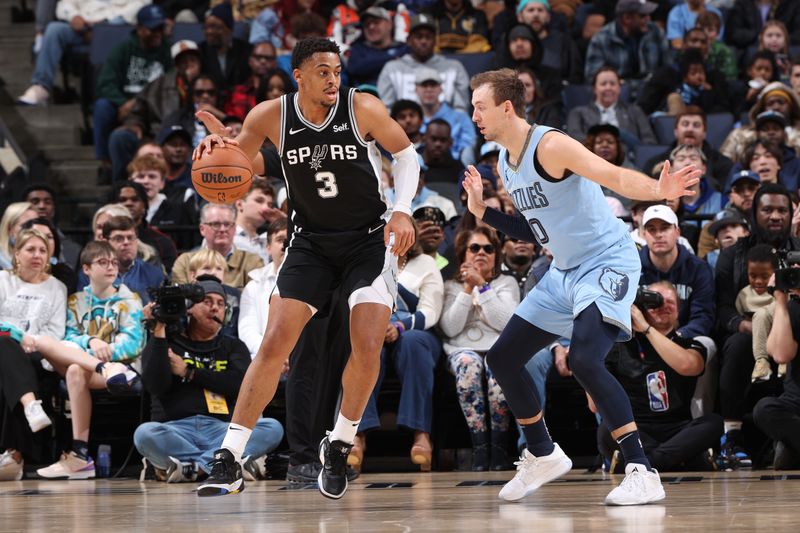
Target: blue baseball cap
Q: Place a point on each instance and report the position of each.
(745, 174)
(151, 17)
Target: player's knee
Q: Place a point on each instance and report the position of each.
(584, 363)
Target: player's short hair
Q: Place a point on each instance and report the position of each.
(206, 257)
(305, 48)
(94, 250)
(505, 85)
(279, 224)
(119, 223)
(147, 162)
(763, 253)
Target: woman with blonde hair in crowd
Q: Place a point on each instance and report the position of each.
(14, 217)
(32, 309)
(478, 304)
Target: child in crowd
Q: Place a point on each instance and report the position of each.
(761, 70)
(720, 56)
(754, 303)
(695, 88)
(775, 38)
(104, 330)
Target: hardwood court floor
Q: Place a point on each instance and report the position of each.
(438, 502)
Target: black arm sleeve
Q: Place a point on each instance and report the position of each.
(516, 227)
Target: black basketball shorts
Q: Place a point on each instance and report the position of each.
(316, 264)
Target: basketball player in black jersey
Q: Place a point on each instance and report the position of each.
(326, 138)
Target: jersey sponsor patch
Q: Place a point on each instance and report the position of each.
(657, 391)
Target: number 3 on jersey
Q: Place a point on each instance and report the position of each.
(328, 181)
(538, 231)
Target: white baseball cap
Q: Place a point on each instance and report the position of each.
(660, 212)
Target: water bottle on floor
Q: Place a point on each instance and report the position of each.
(103, 464)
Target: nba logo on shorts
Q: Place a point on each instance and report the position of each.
(657, 390)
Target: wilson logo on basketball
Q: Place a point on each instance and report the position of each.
(214, 177)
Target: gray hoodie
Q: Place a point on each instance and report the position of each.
(397, 80)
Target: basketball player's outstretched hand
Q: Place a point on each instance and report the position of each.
(402, 228)
(213, 124)
(676, 184)
(473, 184)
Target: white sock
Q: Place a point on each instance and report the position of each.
(344, 430)
(236, 439)
(732, 425)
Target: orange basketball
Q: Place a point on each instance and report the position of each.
(222, 176)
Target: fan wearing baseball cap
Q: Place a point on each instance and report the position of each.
(630, 43)
(663, 259)
(160, 98)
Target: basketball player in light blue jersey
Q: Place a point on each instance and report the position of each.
(587, 294)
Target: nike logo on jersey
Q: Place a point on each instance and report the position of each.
(373, 230)
(292, 131)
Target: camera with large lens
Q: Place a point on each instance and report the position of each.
(170, 301)
(647, 299)
(787, 277)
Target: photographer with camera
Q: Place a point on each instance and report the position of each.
(658, 369)
(772, 218)
(193, 378)
(779, 417)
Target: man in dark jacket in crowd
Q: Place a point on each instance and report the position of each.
(224, 56)
(772, 223)
(373, 49)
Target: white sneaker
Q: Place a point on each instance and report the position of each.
(37, 418)
(34, 95)
(69, 466)
(10, 470)
(640, 486)
(533, 472)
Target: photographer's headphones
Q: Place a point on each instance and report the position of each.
(206, 281)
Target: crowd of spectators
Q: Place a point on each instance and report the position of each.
(712, 83)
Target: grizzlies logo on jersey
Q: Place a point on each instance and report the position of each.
(614, 283)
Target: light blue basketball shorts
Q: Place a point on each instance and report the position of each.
(609, 280)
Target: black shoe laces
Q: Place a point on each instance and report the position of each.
(336, 457)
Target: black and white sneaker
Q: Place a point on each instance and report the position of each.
(254, 468)
(225, 477)
(332, 478)
(180, 472)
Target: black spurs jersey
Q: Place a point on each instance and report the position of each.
(332, 174)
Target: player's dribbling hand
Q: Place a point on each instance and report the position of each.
(473, 184)
(403, 229)
(676, 184)
(213, 124)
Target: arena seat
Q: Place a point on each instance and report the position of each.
(719, 126)
(664, 128)
(474, 63)
(644, 152)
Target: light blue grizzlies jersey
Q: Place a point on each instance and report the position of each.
(569, 216)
